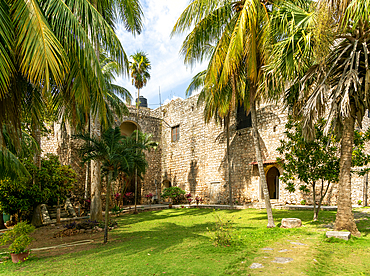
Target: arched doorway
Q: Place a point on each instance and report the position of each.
(166, 184)
(128, 127)
(272, 178)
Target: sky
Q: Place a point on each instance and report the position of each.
(168, 70)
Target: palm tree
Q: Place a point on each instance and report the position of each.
(239, 31)
(336, 84)
(113, 155)
(117, 153)
(139, 67)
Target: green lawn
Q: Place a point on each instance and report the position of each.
(177, 242)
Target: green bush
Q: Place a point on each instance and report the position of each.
(222, 234)
(18, 237)
(176, 194)
(51, 181)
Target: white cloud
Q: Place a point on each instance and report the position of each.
(168, 69)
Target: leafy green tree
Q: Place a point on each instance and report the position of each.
(234, 36)
(310, 162)
(321, 63)
(21, 196)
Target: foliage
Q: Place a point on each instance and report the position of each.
(18, 196)
(22, 195)
(359, 156)
(176, 194)
(55, 180)
(222, 234)
(303, 202)
(18, 237)
(139, 67)
(309, 161)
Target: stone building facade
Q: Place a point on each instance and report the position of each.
(192, 154)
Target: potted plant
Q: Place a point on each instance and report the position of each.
(20, 240)
(174, 194)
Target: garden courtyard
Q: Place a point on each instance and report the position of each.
(182, 242)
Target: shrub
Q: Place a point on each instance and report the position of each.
(303, 202)
(175, 193)
(222, 234)
(18, 237)
(21, 196)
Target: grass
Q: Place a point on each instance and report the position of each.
(177, 242)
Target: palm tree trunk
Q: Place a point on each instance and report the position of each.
(228, 158)
(257, 147)
(344, 218)
(107, 207)
(96, 203)
(137, 138)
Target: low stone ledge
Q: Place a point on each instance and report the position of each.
(291, 223)
(339, 235)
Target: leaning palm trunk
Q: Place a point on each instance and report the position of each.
(257, 147)
(344, 218)
(107, 207)
(228, 158)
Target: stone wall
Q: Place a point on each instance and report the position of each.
(197, 162)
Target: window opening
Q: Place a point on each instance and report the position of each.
(175, 133)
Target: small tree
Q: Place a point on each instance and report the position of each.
(116, 153)
(309, 161)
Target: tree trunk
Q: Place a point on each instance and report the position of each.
(366, 188)
(2, 223)
(58, 211)
(315, 214)
(228, 159)
(344, 218)
(37, 216)
(137, 139)
(107, 207)
(257, 147)
(96, 203)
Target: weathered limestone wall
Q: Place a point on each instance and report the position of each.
(197, 162)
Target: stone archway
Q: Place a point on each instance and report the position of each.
(128, 127)
(272, 177)
(166, 184)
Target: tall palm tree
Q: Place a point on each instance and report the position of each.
(139, 67)
(334, 84)
(130, 13)
(239, 31)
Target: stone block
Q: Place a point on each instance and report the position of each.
(256, 265)
(338, 235)
(291, 223)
